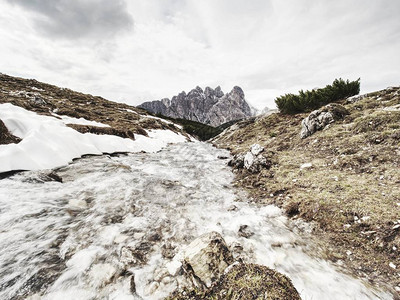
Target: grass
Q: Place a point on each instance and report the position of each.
(352, 189)
(244, 281)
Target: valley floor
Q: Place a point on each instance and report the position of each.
(116, 226)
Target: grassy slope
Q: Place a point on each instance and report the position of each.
(355, 173)
(125, 120)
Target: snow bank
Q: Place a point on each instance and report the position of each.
(48, 143)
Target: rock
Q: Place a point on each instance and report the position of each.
(237, 162)
(208, 256)
(245, 231)
(319, 119)
(210, 106)
(256, 149)
(248, 160)
(253, 160)
(5, 136)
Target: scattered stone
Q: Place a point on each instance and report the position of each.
(319, 119)
(392, 265)
(253, 160)
(208, 256)
(245, 231)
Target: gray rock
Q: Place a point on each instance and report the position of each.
(210, 106)
(208, 256)
(253, 160)
(319, 119)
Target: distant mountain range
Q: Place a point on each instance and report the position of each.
(208, 106)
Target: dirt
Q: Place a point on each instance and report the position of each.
(351, 191)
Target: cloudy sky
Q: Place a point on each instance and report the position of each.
(139, 50)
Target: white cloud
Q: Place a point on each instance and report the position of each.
(266, 47)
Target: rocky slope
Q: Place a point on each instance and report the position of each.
(338, 168)
(210, 106)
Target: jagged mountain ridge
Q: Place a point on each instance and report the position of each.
(208, 106)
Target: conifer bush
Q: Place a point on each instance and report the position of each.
(310, 100)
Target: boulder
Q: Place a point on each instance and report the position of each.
(207, 257)
(319, 119)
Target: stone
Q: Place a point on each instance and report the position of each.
(208, 256)
(254, 160)
(321, 118)
(256, 149)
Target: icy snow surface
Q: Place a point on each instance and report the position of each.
(48, 143)
(52, 249)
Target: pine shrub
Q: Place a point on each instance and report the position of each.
(310, 100)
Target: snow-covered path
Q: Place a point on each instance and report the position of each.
(118, 218)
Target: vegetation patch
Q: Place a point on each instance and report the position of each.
(245, 281)
(344, 179)
(310, 100)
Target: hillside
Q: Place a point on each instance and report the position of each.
(124, 120)
(43, 126)
(211, 106)
(344, 179)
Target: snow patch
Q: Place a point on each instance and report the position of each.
(48, 143)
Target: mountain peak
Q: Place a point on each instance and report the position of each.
(208, 106)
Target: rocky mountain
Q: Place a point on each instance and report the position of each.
(208, 106)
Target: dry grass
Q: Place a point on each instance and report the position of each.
(125, 120)
(352, 190)
(245, 281)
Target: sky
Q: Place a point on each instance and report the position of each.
(140, 50)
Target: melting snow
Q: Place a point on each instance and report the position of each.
(47, 143)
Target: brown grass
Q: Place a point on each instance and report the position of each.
(352, 190)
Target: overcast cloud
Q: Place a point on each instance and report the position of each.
(138, 50)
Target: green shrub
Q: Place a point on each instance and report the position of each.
(310, 100)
